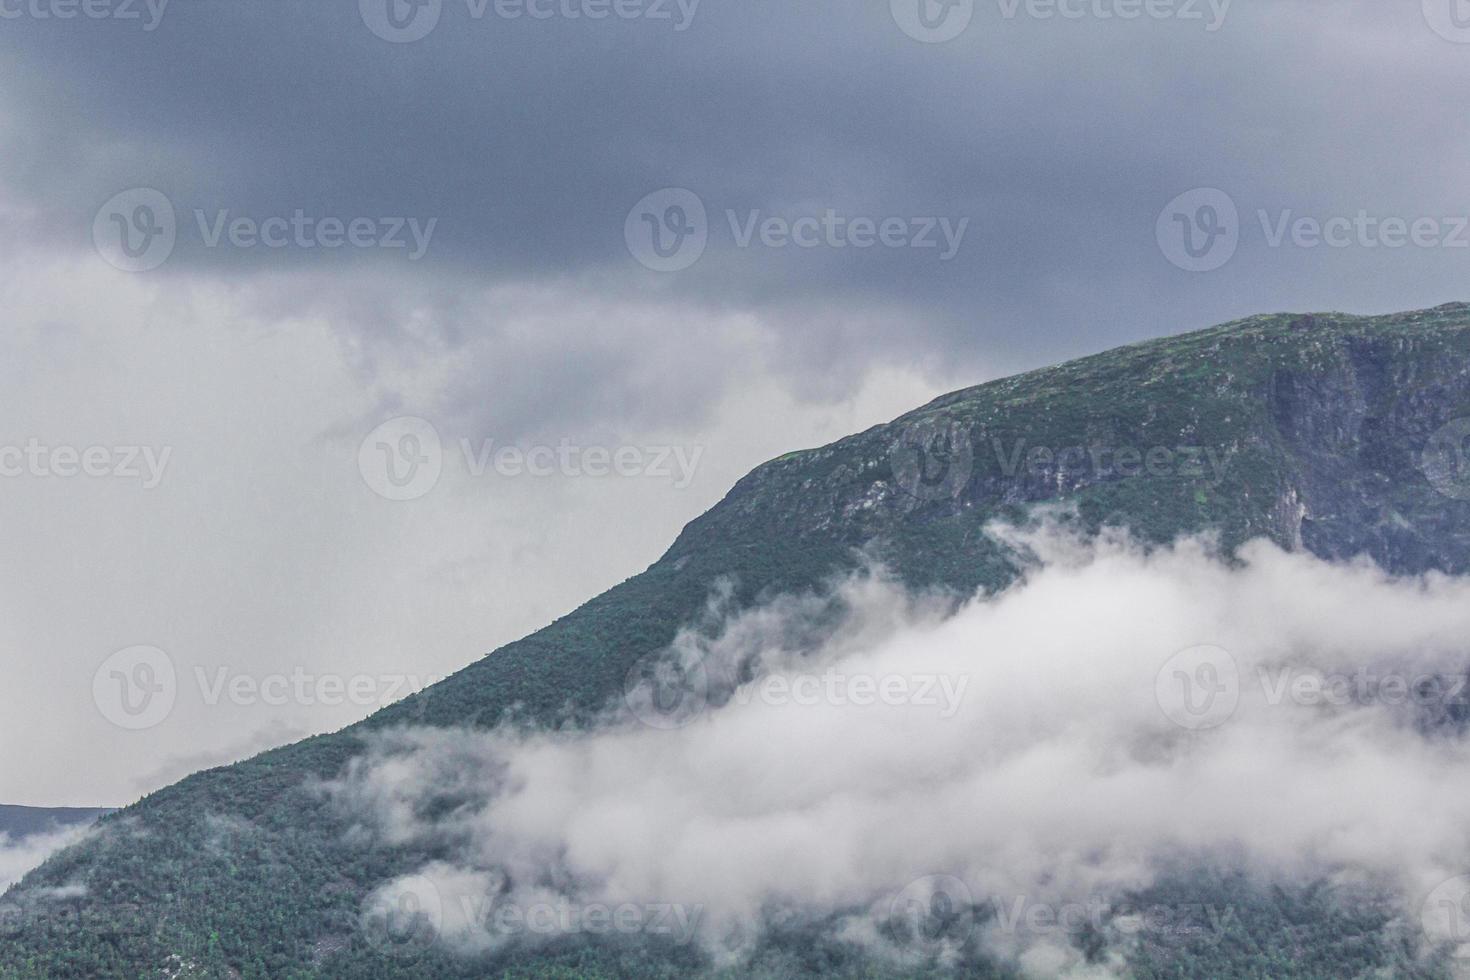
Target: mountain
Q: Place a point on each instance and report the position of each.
(23, 821)
(1332, 434)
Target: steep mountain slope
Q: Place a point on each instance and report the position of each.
(1329, 433)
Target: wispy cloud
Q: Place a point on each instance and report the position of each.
(1082, 758)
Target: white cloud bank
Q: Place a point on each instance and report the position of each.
(19, 855)
(1061, 777)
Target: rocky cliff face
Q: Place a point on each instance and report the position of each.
(1379, 459)
(1342, 435)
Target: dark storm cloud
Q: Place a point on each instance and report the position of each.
(528, 140)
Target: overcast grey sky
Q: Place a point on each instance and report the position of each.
(248, 233)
